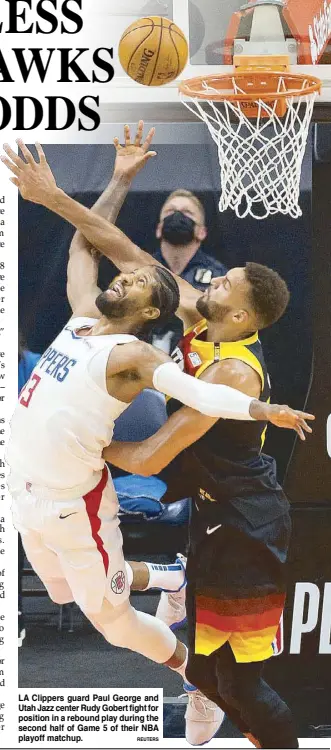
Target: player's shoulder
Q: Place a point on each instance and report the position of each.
(235, 373)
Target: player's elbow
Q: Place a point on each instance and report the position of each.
(145, 470)
(146, 466)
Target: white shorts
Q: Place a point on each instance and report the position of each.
(74, 546)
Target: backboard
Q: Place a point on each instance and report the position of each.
(217, 29)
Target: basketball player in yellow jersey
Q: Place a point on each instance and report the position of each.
(241, 525)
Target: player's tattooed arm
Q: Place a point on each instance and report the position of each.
(36, 183)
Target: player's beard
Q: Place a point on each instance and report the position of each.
(212, 310)
(114, 307)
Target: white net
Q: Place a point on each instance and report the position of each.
(261, 158)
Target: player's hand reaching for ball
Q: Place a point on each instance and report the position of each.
(282, 416)
(133, 155)
(34, 179)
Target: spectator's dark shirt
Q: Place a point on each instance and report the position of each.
(199, 272)
(200, 269)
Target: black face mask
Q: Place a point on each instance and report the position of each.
(178, 229)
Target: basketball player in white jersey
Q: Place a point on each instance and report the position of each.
(64, 503)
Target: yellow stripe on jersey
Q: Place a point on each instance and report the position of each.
(226, 350)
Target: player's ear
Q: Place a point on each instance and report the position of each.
(151, 313)
(159, 230)
(240, 316)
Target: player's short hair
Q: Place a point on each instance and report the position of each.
(269, 294)
(182, 193)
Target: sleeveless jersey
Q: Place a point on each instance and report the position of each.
(65, 417)
(228, 461)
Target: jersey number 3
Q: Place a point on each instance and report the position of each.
(29, 389)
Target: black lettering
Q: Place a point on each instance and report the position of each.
(85, 110)
(47, 16)
(147, 55)
(4, 72)
(21, 102)
(67, 65)
(72, 16)
(103, 65)
(36, 60)
(6, 112)
(53, 113)
(14, 15)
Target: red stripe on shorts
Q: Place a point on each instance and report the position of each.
(92, 503)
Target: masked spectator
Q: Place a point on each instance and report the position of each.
(181, 230)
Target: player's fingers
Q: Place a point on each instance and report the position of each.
(117, 144)
(9, 164)
(305, 426)
(14, 180)
(300, 432)
(41, 153)
(25, 151)
(149, 139)
(149, 155)
(127, 136)
(14, 157)
(305, 415)
(139, 133)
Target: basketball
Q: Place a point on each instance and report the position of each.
(153, 51)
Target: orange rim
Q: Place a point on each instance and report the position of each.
(262, 85)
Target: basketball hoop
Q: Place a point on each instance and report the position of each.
(259, 118)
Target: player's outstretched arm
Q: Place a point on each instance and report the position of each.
(186, 426)
(154, 369)
(36, 183)
(82, 276)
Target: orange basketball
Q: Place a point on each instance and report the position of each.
(153, 51)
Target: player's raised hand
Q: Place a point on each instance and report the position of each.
(284, 416)
(134, 154)
(34, 179)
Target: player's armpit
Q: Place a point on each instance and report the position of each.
(138, 357)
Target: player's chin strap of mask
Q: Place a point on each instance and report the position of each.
(211, 399)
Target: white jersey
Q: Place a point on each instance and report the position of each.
(65, 416)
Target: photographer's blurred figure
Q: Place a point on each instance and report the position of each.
(181, 231)
(26, 362)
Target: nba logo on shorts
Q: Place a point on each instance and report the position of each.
(278, 643)
(118, 582)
